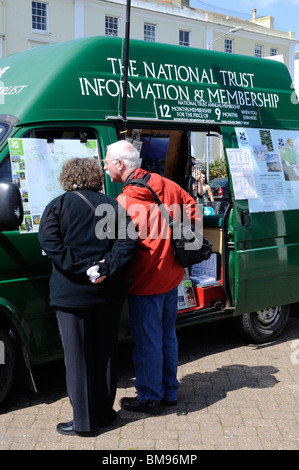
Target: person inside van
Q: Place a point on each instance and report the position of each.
(88, 313)
(204, 190)
(194, 183)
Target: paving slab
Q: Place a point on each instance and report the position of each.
(233, 395)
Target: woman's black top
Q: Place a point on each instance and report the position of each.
(74, 237)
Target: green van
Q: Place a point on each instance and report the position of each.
(64, 100)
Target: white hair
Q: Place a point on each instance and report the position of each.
(125, 151)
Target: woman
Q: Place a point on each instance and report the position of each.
(88, 313)
(204, 191)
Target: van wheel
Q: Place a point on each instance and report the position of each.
(7, 363)
(265, 325)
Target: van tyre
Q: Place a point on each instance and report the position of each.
(8, 369)
(265, 325)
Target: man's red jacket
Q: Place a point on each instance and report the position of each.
(153, 269)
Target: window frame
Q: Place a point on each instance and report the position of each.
(115, 21)
(229, 49)
(45, 17)
(258, 50)
(273, 49)
(183, 41)
(149, 37)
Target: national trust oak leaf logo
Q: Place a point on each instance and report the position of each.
(2, 71)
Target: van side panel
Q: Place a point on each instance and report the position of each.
(265, 260)
(24, 279)
(268, 260)
(84, 82)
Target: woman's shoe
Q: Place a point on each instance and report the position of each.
(67, 429)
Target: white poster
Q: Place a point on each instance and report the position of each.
(242, 172)
(275, 160)
(36, 166)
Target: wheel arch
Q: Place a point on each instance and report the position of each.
(12, 321)
(263, 330)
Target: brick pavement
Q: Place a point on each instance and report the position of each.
(233, 395)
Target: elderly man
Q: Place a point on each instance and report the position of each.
(152, 278)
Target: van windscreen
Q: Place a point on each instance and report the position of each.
(5, 172)
(4, 129)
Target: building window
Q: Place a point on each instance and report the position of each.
(258, 50)
(228, 45)
(184, 38)
(40, 20)
(111, 26)
(149, 32)
(273, 51)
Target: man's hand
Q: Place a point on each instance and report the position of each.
(98, 280)
(94, 275)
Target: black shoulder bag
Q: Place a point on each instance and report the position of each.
(190, 246)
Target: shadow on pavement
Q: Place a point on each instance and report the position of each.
(195, 342)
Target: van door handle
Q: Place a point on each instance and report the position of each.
(245, 219)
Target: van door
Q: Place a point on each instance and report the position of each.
(263, 265)
(24, 269)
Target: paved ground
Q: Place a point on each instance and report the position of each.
(233, 395)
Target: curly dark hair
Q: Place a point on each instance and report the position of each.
(81, 173)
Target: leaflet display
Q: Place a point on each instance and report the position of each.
(265, 169)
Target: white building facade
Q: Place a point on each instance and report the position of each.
(25, 24)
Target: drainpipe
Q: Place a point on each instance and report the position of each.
(126, 63)
(4, 2)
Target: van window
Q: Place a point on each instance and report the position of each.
(52, 134)
(4, 128)
(153, 152)
(49, 134)
(5, 172)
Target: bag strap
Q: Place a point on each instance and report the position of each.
(86, 200)
(164, 212)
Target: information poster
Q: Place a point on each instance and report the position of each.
(36, 166)
(265, 169)
(242, 171)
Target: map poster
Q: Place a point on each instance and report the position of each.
(275, 159)
(36, 166)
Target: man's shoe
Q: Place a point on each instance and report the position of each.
(152, 407)
(168, 402)
(67, 429)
